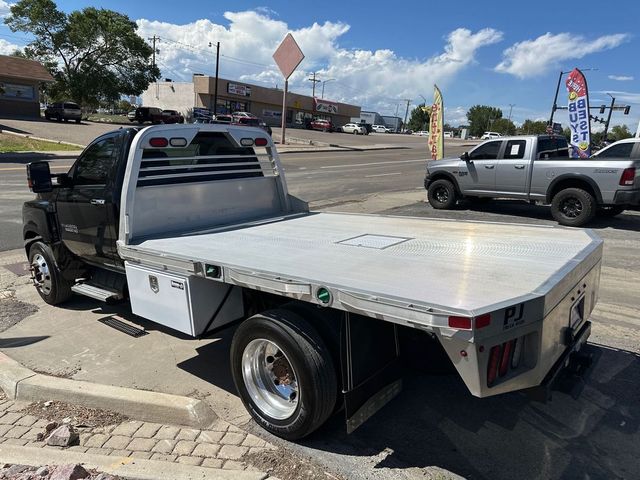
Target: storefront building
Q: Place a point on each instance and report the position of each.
(234, 96)
(19, 86)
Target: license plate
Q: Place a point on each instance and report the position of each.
(577, 313)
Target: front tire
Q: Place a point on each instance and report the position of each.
(442, 194)
(47, 277)
(284, 373)
(573, 207)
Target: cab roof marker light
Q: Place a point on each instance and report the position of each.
(159, 142)
(261, 142)
(178, 142)
(246, 142)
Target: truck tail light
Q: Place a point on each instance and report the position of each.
(628, 176)
(466, 322)
(158, 142)
(494, 362)
(505, 361)
(261, 142)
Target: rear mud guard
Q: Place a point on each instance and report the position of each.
(371, 368)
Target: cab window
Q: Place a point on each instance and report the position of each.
(486, 151)
(96, 163)
(515, 149)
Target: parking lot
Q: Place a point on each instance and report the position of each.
(435, 428)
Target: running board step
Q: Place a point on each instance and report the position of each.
(98, 293)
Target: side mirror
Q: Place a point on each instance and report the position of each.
(465, 157)
(39, 177)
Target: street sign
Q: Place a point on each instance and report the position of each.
(288, 56)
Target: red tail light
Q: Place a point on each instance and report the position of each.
(494, 362)
(506, 357)
(158, 142)
(483, 320)
(460, 322)
(628, 176)
(260, 142)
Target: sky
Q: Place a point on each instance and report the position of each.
(379, 54)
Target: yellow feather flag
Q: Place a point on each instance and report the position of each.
(436, 130)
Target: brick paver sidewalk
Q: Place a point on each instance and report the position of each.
(221, 446)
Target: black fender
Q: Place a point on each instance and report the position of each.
(578, 178)
(430, 178)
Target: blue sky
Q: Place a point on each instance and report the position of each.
(379, 53)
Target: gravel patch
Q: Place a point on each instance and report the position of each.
(287, 466)
(13, 311)
(80, 416)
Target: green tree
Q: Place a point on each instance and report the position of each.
(420, 117)
(481, 119)
(94, 55)
(619, 132)
(533, 127)
(504, 126)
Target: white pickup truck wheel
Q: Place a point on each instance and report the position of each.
(573, 207)
(284, 373)
(442, 194)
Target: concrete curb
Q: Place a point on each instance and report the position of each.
(20, 383)
(125, 467)
(60, 142)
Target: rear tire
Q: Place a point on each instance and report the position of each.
(78, 121)
(284, 373)
(573, 207)
(47, 277)
(442, 194)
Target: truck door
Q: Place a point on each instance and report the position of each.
(480, 169)
(512, 171)
(85, 205)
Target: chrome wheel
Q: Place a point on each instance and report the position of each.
(40, 274)
(270, 379)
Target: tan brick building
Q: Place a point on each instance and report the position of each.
(19, 86)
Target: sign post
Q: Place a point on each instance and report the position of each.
(287, 56)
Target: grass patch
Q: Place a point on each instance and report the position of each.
(14, 143)
(105, 118)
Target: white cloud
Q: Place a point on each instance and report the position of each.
(624, 97)
(7, 48)
(374, 79)
(621, 78)
(534, 57)
(4, 8)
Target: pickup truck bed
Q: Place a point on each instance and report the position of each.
(479, 265)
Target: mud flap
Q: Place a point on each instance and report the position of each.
(371, 368)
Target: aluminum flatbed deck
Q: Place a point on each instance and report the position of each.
(451, 266)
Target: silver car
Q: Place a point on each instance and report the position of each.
(354, 128)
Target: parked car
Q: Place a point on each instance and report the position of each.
(252, 122)
(172, 116)
(354, 128)
(237, 115)
(380, 129)
(146, 114)
(626, 148)
(448, 134)
(321, 124)
(422, 133)
(490, 135)
(63, 111)
(222, 118)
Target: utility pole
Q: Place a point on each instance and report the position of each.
(215, 91)
(406, 113)
(314, 80)
(511, 105)
(153, 40)
(606, 125)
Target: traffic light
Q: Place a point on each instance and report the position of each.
(626, 109)
(602, 108)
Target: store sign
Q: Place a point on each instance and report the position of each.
(16, 91)
(271, 114)
(236, 89)
(324, 106)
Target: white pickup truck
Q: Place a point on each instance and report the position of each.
(538, 169)
(194, 225)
